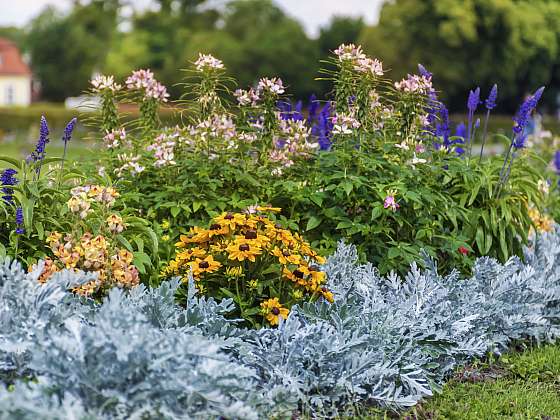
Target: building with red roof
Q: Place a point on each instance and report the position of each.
(15, 76)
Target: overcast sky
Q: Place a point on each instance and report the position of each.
(312, 13)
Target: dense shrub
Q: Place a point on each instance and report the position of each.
(377, 165)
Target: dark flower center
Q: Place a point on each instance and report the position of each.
(324, 289)
(251, 234)
(228, 216)
(204, 264)
(285, 253)
(313, 268)
(244, 247)
(298, 274)
(215, 226)
(275, 311)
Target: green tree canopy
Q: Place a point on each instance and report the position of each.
(66, 50)
(465, 43)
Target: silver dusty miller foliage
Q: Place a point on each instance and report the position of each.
(386, 341)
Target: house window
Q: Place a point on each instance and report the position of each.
(10, 95)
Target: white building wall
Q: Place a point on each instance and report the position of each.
(15, 90)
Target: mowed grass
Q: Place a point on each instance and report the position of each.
(522, 385)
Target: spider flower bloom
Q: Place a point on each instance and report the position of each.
(414, 84)
(349, 52)
(144, 80)
(370, 66)
(273, 85)
(208, 62)
(390, 201)
(101, 83)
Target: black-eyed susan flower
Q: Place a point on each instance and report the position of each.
(206, 265)
(272, 310)
(230, 220)
(241, 251)
(286, 257)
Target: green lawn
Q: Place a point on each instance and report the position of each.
(522, 385)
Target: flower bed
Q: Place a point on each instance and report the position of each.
(148, 266)
(387, 341)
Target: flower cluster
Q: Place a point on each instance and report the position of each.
(216, 127)
(8, 179)
(96, 253)
(68, 130)
(163, 150)
(370, 66)
(349, 52)
(390, 201)
(267, 267)
(414, 83)
(129, 164)
(115, 139)
(542, 222)
(344, 123)
(207, 62)
(108, 265)
(521, 119)
(105, 83)
(273, 86)
(82, 198)
(20, 230)
(144, 80)
(247, 97)
(39, 153)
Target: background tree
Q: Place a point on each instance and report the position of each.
(66, 50)
(473, 42)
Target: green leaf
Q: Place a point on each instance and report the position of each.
(348, 187)
(317, 198)
(313, 222)
(344, 225)
(394, 252)
(40, 230)
(376, 212)
(175, 211)
(11, 161)
(480, 239)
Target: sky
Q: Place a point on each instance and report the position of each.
(312, 13)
